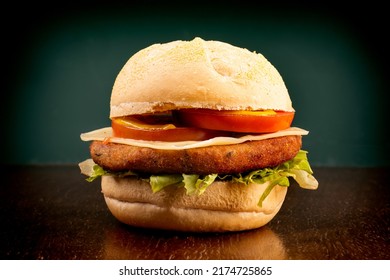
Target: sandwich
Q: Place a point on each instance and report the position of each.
(201, 140)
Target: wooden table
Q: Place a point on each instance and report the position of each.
(51, 212)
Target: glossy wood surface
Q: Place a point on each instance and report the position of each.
(51, 212)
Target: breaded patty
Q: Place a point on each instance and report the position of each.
(224, 159)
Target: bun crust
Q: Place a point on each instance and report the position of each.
(222, 207)
(197, 74)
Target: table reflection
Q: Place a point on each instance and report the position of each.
(124, 242)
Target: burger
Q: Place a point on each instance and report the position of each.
(200, 140)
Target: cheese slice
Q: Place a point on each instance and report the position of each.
(105, 134)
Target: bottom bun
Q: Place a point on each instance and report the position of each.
(224, 206)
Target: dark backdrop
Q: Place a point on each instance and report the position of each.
(60, 64)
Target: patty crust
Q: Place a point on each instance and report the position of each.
(223, 159)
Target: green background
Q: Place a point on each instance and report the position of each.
(61, 66)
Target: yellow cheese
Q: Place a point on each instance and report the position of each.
(106, 133)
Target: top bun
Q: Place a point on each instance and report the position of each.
(197, 74)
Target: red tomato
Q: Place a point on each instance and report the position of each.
(236, 121)
(150, 128)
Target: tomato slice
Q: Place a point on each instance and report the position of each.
(236, 121)
(158, 128)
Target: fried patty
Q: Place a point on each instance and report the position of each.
(224, 159)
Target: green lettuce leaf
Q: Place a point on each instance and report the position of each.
(195, 184)
(158, 182)
(297, 168)
(98, 171)
(93, 171)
